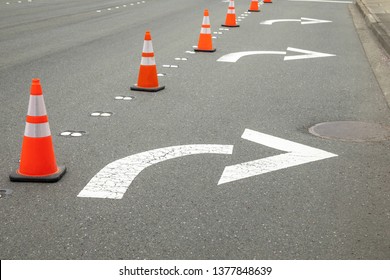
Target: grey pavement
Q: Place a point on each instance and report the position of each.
(377, 14)
(88, 52)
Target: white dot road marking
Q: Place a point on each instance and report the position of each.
(101, 114)
(170, 66)
(215, 32)
(72, 133)
(161, 74)
(116, 177)
(126, 98)
(109, 9)
(99, 11)
(215, 37)
(76, 134)
(181, 58)
(191, 52)
(224, 29)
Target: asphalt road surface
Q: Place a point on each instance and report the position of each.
(88, 52)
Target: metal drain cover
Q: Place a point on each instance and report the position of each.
(351, 131)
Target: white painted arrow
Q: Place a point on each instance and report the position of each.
(302, 21)
(234, 57)
(296, 154)
(115, 178)
(307, 54)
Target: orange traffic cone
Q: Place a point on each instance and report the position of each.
(231, 16)
(147, 76)
(37, 159)
(267, 1)
(254, 6)
(205, 43)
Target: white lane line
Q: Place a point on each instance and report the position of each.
(115, 178)
(191, 52)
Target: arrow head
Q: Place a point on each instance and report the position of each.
(313, 20)
(306, 54)
(297, 154)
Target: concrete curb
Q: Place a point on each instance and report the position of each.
(375, 25)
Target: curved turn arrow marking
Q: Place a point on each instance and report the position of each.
(234, 57)
(303, 20)
(296, 154)
(115, 178)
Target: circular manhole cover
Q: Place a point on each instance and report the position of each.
(351, 131)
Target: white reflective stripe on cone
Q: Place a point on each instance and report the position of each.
(231, 4)
(148, 47)
(205, 30)
(206, 20)
(36, 106)
(148, 61)
(231, 11)
(37, 130)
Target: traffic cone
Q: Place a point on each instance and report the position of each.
(205, 43)
(254, 7)
(267, 1)
(37, 159)
(147, 76)
(231, 16)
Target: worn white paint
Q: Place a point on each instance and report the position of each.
(303, 20)
(115, 178)
(297, 154)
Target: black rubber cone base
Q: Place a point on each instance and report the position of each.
(254, 11)
(230, 25)
(199, 50)
(136, 88)
(17, 177)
